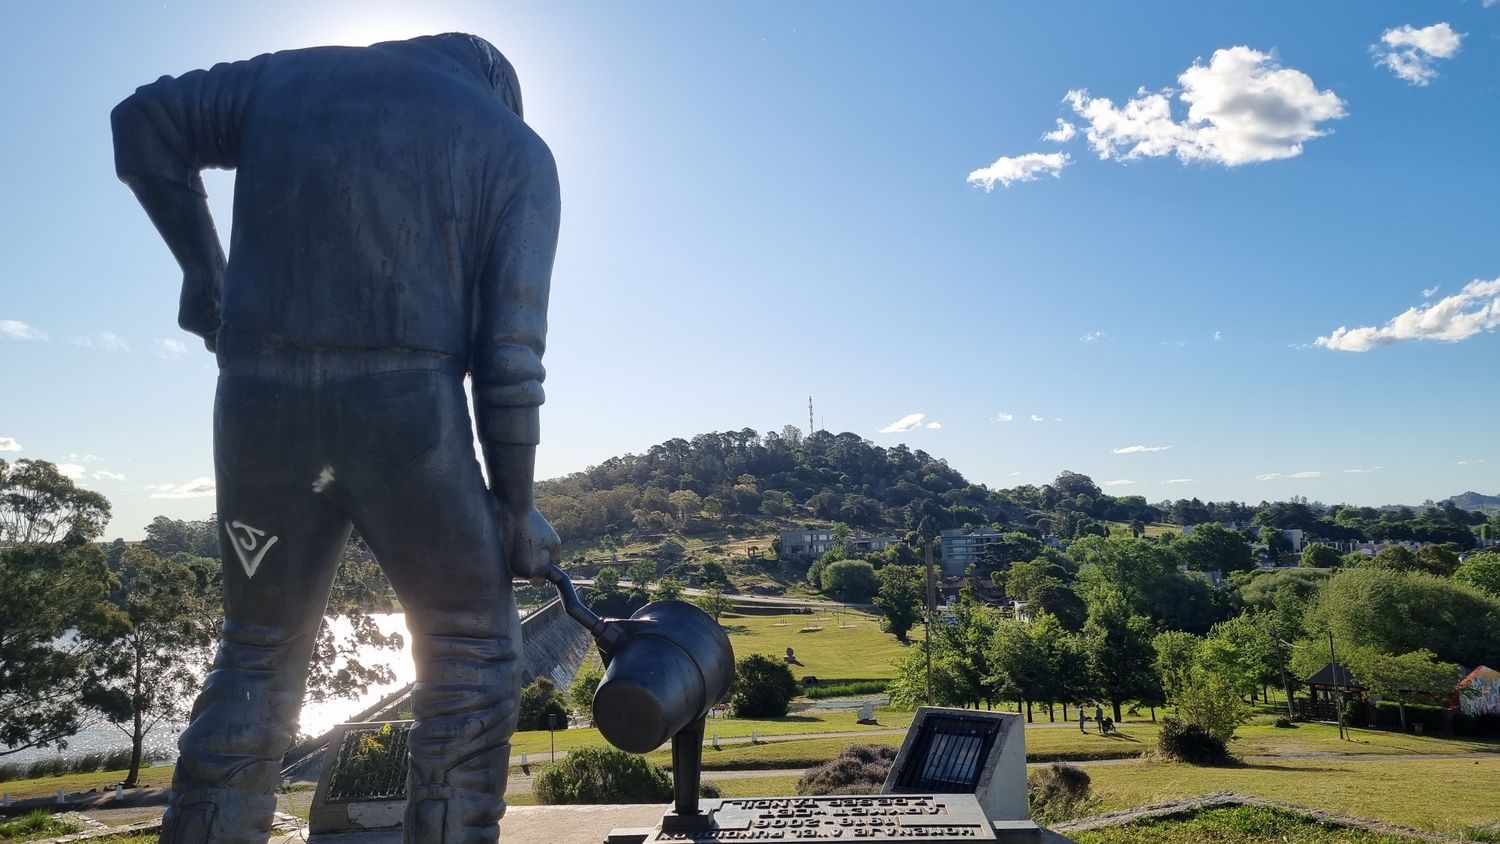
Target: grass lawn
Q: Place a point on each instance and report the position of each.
(1235, 825)
(810, 721)
(1442, 795)
(849, 646)
(159, 776)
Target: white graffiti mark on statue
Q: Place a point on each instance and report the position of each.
(246, 542)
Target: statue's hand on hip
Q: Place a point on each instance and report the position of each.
(530, 543)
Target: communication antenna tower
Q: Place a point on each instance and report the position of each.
(809, 416)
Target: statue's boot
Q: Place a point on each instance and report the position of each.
(218, 816)
(460, 743)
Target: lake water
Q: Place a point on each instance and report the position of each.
(161, 743)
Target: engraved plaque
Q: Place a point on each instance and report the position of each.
(865, 818)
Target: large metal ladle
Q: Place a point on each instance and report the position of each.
(665, 667)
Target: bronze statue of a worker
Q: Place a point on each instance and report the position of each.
(395, 222)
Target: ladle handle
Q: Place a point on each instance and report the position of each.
(607, 635)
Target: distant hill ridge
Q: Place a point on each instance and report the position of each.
(1479, 502)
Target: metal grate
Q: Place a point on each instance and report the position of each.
(949, 755)
(371, 764)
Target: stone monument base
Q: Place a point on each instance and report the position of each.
(876, 819)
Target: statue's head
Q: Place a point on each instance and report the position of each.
(476, 52)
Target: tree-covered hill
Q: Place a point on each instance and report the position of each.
(746, 483)
(731, 478)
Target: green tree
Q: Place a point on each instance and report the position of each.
(763, 687)
(1395, 558)
(581, 691)
(686, 504)
(607, 581)
(1319, 556)
(1481, 570)
(56, 616)
(1397, 612)
(900, 598)
(713, 602)
(1212, 547)
(1405, 678)
(539, 700)
(1176, 658)
(1441, 560)
(154, 665)
(667, 589)
(642, 574)
(1026, 579)
(851, 581)
(1121, 657)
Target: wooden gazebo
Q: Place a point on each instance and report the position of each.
(1325, 688)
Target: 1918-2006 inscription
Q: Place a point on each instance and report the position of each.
(872, 819)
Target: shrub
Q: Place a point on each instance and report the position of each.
(539, 700)
(602, 775)
(859, 769)
(763, 687)
(850, 580)
(1356, 714)
(713, 572)
(1190, 743)
(1283, 722)
(1058, 793)
(1388, 716)
(1208, 701)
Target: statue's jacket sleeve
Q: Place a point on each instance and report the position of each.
(385, 199)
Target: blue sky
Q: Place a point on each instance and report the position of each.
(766, 202)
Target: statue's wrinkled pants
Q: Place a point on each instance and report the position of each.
(307, 445)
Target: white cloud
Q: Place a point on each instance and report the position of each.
(1452, 318)
(9, 444)
(1470, 462)
(934, 425)
(1305, 475)
(1015, 474)
(1178, 481)
(106, 340)
(1364, 471)
(1428, 291)
(1062, 134)
(1093, 337)
(1218, 335)
(169, 349)
(1410, 53)
(1140, 449)
(18, 330)
(1176, 344)
(70, 470)
(1036, 418)
(1242, 108)
(196, 488)
(1057, 419)
(1002, 416)
(84, 458)
(909, 422)
(1019, 168)
(1117, 483)
(106, 475)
